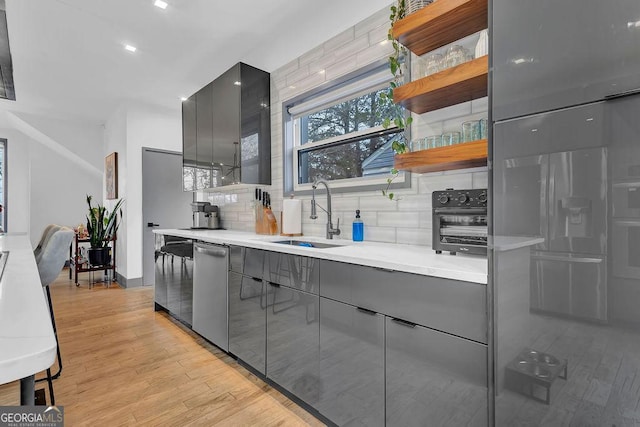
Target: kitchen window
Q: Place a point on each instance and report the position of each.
(337, 134)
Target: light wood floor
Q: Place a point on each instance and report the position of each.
(125, 364)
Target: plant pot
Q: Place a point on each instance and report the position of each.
(100, 256)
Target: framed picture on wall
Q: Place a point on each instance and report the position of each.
(111, 175)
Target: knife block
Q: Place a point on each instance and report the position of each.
(266, 222)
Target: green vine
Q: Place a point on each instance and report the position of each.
(398, 118)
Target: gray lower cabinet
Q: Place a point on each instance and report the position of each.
(247, 320)
(453, 306)
(293, 342)
(174, 277)
(351, 365)
(433, 378)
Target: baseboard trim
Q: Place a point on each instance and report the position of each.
(128, 283)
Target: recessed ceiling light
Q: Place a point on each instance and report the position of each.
(237, 83)
(161, 4)
(634, 24)
(183, 98)
(130, 48)
(321, 72)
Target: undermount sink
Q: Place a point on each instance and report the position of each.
(307, 244)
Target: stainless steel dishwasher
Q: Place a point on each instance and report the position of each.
(210, 301)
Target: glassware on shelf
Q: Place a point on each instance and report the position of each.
(419, 68)
(456, 55)
(470, 131)
(418, 144)
(433, 141)
(450, 138)
(483, 129)
(433, 63)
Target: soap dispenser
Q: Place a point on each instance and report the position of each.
(358, 228)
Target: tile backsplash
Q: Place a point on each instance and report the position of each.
(407, 220)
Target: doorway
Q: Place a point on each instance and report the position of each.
(164, 204)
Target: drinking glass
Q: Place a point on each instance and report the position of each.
(433, 63)
(416, 145)
(433, 141)
(456, 55)
(483, 129)
(470, 131)
(450, 138)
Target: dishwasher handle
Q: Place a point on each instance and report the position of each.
(221, 252)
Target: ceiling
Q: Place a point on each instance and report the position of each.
(69, 59)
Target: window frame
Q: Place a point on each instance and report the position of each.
(291, 135)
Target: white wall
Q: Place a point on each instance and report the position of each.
(52, 166)
(130, 129)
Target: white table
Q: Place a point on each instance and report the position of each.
(27, 341)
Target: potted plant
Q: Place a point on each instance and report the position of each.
(101, 227)
(400, 118)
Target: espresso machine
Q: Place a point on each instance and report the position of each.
(205, 215)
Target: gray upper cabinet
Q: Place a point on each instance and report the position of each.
(204, 136)
(543, 60)
(189, 144)
(230, 122)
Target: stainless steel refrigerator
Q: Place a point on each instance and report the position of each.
(565, 166)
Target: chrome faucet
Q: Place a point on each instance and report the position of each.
(330, 230)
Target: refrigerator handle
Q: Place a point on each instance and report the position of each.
(622, 94)
(567, 259)
(545, 215)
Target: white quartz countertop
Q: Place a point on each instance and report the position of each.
(407, 258)
(27, 343)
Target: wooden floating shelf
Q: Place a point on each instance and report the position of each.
(465, 82)
(459, 156)
(440, 23)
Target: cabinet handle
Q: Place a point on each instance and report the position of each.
(275, 285)
(151, 224)
(213, 252)
(366, 311)
(622, 94)
(404, 323)
(256, 279)
(388, 270)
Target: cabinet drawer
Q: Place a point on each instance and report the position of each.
(247, 320)
(247, 261)
(293, 271)
(293, 341)
(433, 378)
(452, 306)
(351, 365)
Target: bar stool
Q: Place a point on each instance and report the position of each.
(51, 259)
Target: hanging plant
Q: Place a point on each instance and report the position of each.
(399, 117)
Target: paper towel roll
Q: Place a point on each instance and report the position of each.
(291, 216)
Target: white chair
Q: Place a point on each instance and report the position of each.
(46, 234)
(51, 258)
